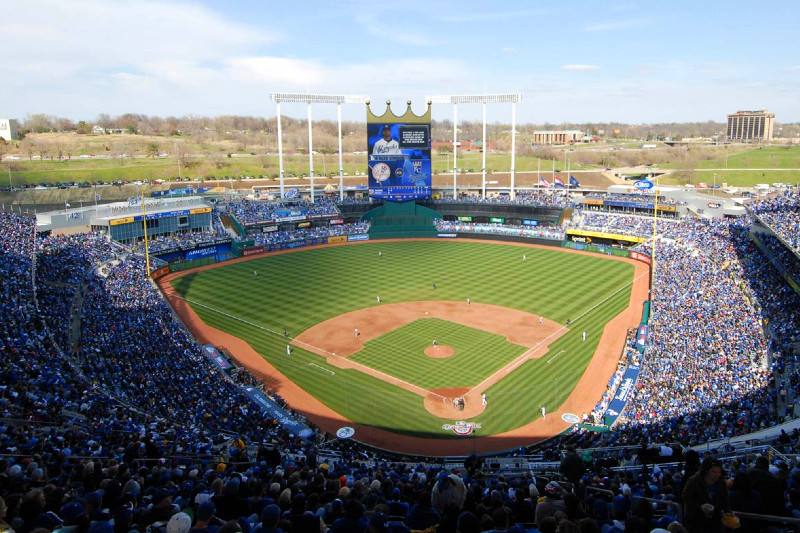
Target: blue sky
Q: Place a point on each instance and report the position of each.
(572, 61)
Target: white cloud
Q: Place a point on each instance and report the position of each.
(794, 68)
(508, 50)
(580, 67)
(616, 25)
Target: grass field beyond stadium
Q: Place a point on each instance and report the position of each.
(297, 290)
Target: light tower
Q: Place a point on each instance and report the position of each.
(484, 99)
(309, 99)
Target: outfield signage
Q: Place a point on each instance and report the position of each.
(271, 409)
(528, 222)
(643, 185)
(208, 251)
(447, 235)
(335, 221)
(497, 220)
(622, 395)
(603, 235)
(337, 238)
(639, 256)
(465, 219)
(269, 229)
(359, 237)
(253, 251)
(158, 273)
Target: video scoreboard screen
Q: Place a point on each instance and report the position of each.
(399, 161)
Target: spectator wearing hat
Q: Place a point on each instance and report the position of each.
(270, 516)
(448, 488)
(205, 521)
(74, 516)
(179, 523)
(552, 501)
(353, 520)
(160, 511)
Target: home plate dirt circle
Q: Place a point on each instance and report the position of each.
(438, 352)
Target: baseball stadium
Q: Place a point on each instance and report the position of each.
(394, 354)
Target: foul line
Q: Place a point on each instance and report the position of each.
(322, 368)
(364, 369)
(554, 357)
(516, 363)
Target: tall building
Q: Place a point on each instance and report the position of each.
(751, 125)
(8, 129)
(557, 136)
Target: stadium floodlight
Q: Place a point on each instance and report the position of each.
(499, 98)
(308, 98)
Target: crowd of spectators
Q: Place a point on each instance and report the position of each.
(196, 453)
(637, 226)
(543, 198)
(277, 237)
(516, 230)
(781, 212)
(254, 212)
(634, 198)
(166, 242)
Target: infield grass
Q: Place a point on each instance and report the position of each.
(401, 353)
(297, 290)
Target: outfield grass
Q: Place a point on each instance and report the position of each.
(298, 290)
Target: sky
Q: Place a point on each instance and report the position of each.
(578, 61)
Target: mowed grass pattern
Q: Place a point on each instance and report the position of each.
(299, 289)
(401, 353)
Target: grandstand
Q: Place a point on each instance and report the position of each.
(116, 418)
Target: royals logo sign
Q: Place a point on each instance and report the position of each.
(461, 427)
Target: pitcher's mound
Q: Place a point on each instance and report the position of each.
(438, 352)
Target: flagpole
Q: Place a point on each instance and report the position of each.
(539, 178)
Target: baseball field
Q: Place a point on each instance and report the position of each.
(508, 323)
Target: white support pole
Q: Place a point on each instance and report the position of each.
(483, 149)
(341, 169)
(310, 154)
(455, 148)
(280, 147)
(513, 146)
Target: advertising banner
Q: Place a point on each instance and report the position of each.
(622, 396)
(216, 357)
(253, 251)
(639, 256)
(271, 409)
(337, 238)
(359, 237)
(641, 338)
(158, 273)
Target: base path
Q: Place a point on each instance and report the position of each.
(517, 327)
